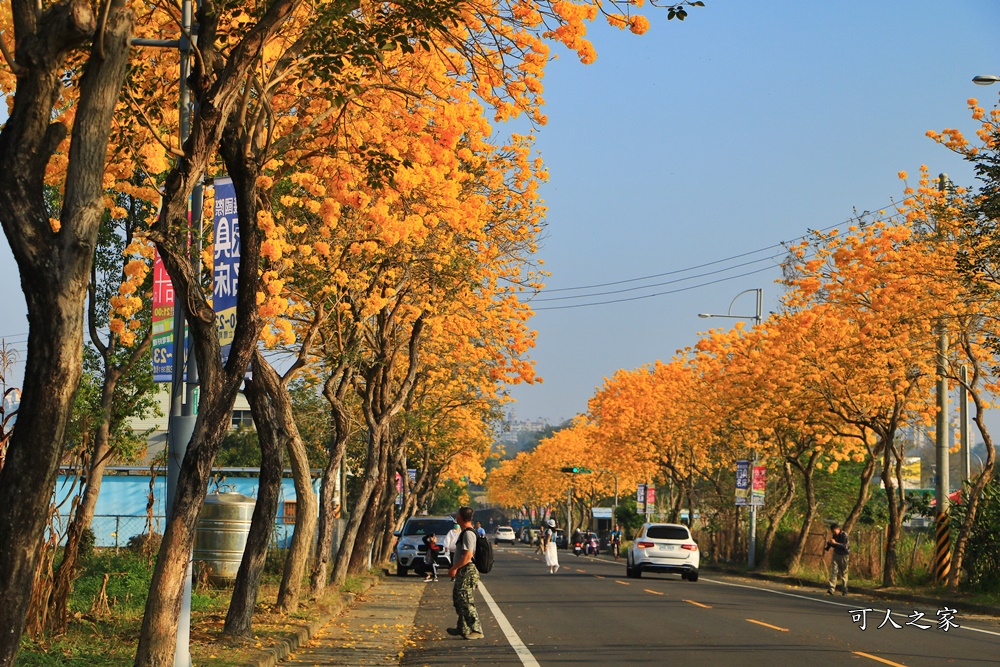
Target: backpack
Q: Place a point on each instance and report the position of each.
(483, 556)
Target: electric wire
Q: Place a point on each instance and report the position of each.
(650, 296)
(784, 246)
(661, 284)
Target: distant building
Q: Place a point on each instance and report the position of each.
(515, 429)
(157, 441)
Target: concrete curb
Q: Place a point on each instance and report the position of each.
(287, 645)
(973, 607)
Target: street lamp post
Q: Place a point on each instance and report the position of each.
(758, 316)
(182, 414)
(985, 79)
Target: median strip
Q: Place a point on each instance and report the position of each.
(768, 625)
(878, 659)
(698, 604)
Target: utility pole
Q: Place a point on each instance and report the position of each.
(963, 425)
(569, 512)
(752, 546)
(942, 560)
(180, 426)
(752, 541)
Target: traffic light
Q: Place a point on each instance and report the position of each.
(576, 470)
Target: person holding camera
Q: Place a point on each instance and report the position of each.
(838, 567)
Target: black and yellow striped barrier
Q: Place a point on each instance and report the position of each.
(942, 550)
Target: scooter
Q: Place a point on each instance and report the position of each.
(592, 547)
(577, 548)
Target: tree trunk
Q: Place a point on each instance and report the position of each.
(807, 485)
(239, 618)
(54, 267)
(360, 505)
(305, 508)
(975, 495)
(369, 525)
(863, 492)
(318, 574)
(158, 634)
(675, 507)
(896, 501)
(779, 513)
(82, 518)
(334, 390)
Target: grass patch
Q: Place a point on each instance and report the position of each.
(110, 639)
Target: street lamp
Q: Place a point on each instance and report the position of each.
(752, 546)
(985, 79)
(729, 313)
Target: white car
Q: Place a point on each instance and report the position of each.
(504, 534)
(411, 547)
(663, 547)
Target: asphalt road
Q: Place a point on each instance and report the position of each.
(589, 613)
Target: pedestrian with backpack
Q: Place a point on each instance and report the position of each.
(466, 575)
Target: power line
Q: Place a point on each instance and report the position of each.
(772, 247)
(782, 245)
(650, 296)
(667, 282)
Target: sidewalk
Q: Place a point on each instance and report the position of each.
(375, 630)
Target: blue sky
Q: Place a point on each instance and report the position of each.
(742, 127)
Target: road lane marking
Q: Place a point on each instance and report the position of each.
(836, 604)
(515, 642)
(768, 625)
(584, 571)
(698, 604)
(599, 576)
(623, 583)
(653, 592)
(878, 659)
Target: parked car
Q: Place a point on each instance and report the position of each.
(504, 534)
(410, 548)
(663, 547)
(559, 537)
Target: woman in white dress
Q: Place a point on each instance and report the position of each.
(551, 555)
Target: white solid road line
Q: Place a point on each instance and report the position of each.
(520, 649)
(838, 604)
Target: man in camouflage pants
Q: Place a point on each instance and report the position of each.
(466, 577)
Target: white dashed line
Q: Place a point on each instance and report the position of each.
(838, 604)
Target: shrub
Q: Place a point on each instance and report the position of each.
(145, 544)
(87, 542)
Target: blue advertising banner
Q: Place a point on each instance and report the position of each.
(742, 483)
(227, 261)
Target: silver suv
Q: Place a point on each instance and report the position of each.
(410, 548)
